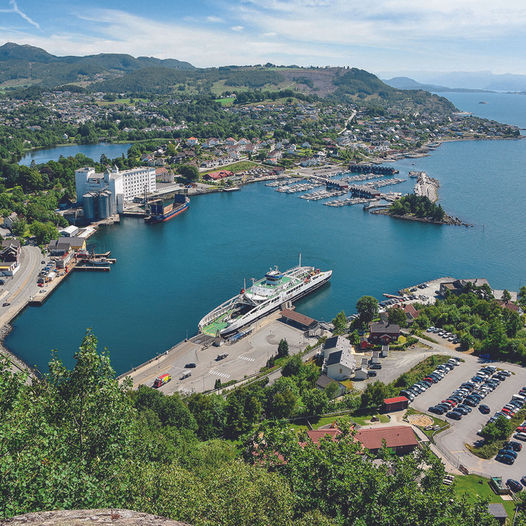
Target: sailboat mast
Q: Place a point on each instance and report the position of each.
(299, 264)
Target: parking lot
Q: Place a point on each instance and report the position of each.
(245, 357)
(452, 441)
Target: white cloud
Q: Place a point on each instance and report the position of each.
(381, 35)
(15, 9)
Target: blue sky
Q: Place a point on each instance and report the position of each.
(379, 35)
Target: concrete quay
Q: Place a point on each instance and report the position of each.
(244, 358)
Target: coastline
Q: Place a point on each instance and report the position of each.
(449, 220)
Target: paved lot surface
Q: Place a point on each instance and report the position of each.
(244, 358)
(452, 442)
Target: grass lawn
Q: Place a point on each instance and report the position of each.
(366, 419)
(474, 486)
(240, 166)
(225, 101)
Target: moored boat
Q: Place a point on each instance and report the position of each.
(161, 210)
(261, 298)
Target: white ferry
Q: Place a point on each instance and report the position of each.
(263, 297)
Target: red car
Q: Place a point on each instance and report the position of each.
(452, 402)
(507, 411)
(521, 429)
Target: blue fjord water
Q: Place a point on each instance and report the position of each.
(169, 275)
(93, 151)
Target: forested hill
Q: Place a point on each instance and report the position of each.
(27, 65)
(23, 66)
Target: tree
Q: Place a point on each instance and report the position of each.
(19, 227)
(506, 296)
(340, 323)
(283, 348)
(315, 401)
(374, 394)
(189, 172)
(522, 297)
(367, 308)
(332, 390)
(43, 232)
(293, 366)
(397, 316)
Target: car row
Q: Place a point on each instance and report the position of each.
(438, 374)
(470, 394)
(449, 336)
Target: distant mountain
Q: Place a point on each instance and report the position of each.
(27, 65)
(406, 83)
(462, 80)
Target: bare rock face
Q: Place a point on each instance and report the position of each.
(90, 517)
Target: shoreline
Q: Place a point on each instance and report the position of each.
(449, 220)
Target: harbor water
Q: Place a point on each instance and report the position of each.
(169, 275)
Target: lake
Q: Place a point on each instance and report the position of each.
(93, 151)
(170, 275)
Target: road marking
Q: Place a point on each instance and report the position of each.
(247, 358)
(222, 375)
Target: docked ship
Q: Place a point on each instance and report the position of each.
(162, 210)
(263, 297)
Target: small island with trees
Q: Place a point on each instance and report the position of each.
(414, 207)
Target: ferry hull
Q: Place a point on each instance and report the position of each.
(166, 217)
(230, 331)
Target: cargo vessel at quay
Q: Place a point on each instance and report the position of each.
(162, 210)
(263, 297)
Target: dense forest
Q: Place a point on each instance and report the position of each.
(77, 439)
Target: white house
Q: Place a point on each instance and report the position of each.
(336, 343)
(340, 365)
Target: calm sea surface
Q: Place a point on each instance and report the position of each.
(169, 275)
(93, 151)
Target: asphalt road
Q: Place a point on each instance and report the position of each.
(19, 288)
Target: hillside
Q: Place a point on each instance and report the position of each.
(27, 65)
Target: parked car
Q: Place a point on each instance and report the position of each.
(186, 375)
(191, 365)
(453, 415)
(514, 485)
(484, 409)
(376, 366)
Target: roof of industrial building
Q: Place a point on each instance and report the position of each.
(498, 510)
(394, 436)
(297, 317)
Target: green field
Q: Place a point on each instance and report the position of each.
(225, 101)
(473, 486)
(240, 166)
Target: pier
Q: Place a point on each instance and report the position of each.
(372, 168)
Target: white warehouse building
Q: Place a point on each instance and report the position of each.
(123, 186)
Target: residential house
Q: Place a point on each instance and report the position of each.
(192, 141)
(340, 365)
(323, 381)
(381, 332)
(10, 219)
(401, 439)
(10, 257)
